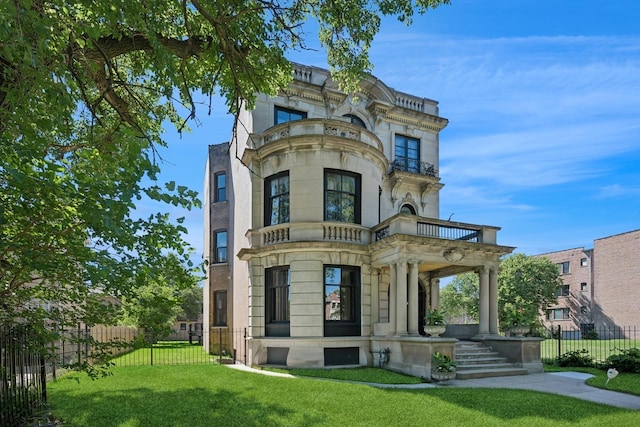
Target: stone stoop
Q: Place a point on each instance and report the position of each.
(474, 360)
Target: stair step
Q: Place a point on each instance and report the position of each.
(487, 373)
(478, 361)
(480, 366)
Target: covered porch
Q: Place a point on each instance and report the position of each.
(408, 258)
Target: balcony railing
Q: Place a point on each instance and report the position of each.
(317, 127)
(413, 166)
(440, 229)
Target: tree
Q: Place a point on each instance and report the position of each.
(527, 286)
(460, 298)
(155, 304)
(85, 90)
(191, 303)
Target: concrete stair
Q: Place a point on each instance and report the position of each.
(474, 360)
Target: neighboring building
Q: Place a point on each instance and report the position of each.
(334, 242)
(600, 286)
(217, 321)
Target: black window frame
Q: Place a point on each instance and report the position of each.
(220, 308)
(292, 114)
(284, 209)
(343, 194)
(219, 257)
(277, 320)
(402, 158)
(348, 322)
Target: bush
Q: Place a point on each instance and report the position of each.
(576, 358)
(590, 334)
(626, 361)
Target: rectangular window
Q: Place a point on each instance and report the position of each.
(283, 115)
(563, 267)
(277, 301)
(407, 154)
(558, 314)
(341, 196)
(583, 262)
(562, 291)
(220, 187)
(183, 326)
(276, 199)
(220, 308)
(342, 300)
(220, 249)
(583, 286)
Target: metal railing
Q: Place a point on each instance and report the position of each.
(599, 342)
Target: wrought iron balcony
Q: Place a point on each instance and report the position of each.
(413, 166)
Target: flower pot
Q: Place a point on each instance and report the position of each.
(434, 330)
(443, 377)
(519, 331)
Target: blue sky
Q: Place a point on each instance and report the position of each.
(543, 102)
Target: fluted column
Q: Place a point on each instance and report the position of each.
(393, 297)
(412, 313)
(375, 295)
(401, 298)
(493, 300)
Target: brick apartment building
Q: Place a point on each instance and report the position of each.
(601, 286)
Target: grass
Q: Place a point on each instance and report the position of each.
(366, 375)
(208, 395)
(625, 382)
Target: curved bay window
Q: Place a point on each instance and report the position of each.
(277, 302)
(355, 120)
(342, 300)
(276, 190)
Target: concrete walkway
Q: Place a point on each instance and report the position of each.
(564, 383)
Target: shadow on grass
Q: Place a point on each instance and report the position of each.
(195, 407)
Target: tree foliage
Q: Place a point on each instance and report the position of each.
(85, 90)
(460, 298)
(526, 287)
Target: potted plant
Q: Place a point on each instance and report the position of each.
(443, 368)
(434, 323)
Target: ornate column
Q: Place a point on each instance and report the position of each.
(412, 313)
(375, 295)
(484, 301)
(393, 285)
(401, 298)
(493, 300)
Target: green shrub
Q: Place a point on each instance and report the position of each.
(576, 358)
(591, 334)
(625, 361)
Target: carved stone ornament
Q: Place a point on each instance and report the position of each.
(453, 255)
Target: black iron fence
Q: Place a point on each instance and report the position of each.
(28, 359)
(23, 384)
(598, 342)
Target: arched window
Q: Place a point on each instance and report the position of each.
(407, 209)
(355, 120)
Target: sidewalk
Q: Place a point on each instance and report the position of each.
(570, 384)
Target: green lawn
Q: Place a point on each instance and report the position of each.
(625, 382)
(215, 395)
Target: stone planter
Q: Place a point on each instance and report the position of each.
(519, 331)
(434, 330)
(443, 377)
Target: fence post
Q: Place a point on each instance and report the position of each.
(559, 341)
(245, 346)
(220, 346)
